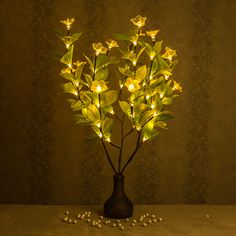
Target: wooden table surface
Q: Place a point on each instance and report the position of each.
(178, 220)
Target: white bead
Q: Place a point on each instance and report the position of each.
(153, 216)
(133, 224)
(99, 226)
(67, 213)
(160, 219)
(154, 220)
(101, 217)
(65, 219)
(118, 221)
(134, 221)
(75, 222)
(127, 219)
(147, 214)
(150, 221)
(114, 225)
(144, 224)
(122, 227)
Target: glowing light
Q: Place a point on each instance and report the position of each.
(147, 97)
(97, 53)
(108, 140)
(161, 95)
(152, 106)
(144, 83)
(100, 135)
(112, 112)
(98, 89)
(150, 77)
(134, 63)
(67, 45)
(76, 83)
(131, 104)
(98, 124)
(135, 43)
(69, 65)
(121, 86)
(155, 114)
(144, 139)
(166, 76)
(98, 105)
(76, 93)
(151, 57)
(138, 127)
(68, 27)
(131, 86)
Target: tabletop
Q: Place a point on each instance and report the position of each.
(147, 220)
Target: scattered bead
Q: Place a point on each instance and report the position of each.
(208, 216)
(134, 221)
(114, 225)
(141, 219)
(144, 224)
(99, 226)
(147, 214)
(127, 219)
(160, 219)
(150, 221)
(99, 221)
(78, 216)
(70, 221)
(88, 220)
(118, 221)
(67, 213)
(153, 216)
(74, 221)
(101, 217)
(119, 224)
(133, 224)
(65, 219)
(154, 220)
(122, 227)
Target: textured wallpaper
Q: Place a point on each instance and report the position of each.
(45, 158)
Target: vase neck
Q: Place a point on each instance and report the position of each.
(118, 184)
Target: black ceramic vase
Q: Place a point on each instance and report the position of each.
(118, 206)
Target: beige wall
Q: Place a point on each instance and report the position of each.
(44, 157)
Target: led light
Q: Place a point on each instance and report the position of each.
(100, 135)
(121, 86)
(98, 124)
(144, 139)
(131, 104)
(68, 27)
(166, 76)
(69, 65)
(108, 140)
(147, 97)
(135, 43)
(152, 106)
(150, 77)
(67, 45)
(98, 89)
(112, 112)
(144, 83)
(76, 93)
(97, 53)
(131, 86)
(76, 83)
(151, 57)
(134, 63)
(138, 127)
(153, 38)
(161, 95)
(155, 114)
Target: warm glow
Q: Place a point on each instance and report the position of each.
(152, 106)
(134, 63)
(69, 65)
(108, 140)
(135, 43)
(150, 77)
(98, 89)
(67, 45)
(151, 57)
(166, 76)
(131, 87)
(161, 95)
(147, 97)
(144, 139)
(98, 124)
(76, 93)
(155, 114)
(100, 135)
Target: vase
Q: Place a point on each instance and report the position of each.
(118, 205)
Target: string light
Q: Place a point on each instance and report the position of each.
(67, 45)
(98, 89)
(144, 139)
(76, 93)
(98, 124)
(150, 77)
(166, 76)
(108, 140)
(161, 95)
(151, 57)
(155, 114)
(69, 65)
(152, 106)
(134, 63)
(121, 86)
(112, 111)
(100, 135)
(76, 83)
(147, 96)
(131, 86)
(135, 43)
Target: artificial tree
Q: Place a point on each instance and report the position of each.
(144, 88)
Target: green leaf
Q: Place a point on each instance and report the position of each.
(101, 74)
(158, 46)
(125, 71)
(147, 130)
(141, 73)
(146, 116)
(167, 101)
(161, 124)
(140, 52)
(79, 71)
(89, 61)
(75, 104)
(121, 37)
(67, 58)
(126, 108)
(69, 88)
(75, 37)
(84, 96)
(88, 79)
(164, 117)
(94, 111)
(80, 119)
(68, 76)
(107, 127)
(109, 97)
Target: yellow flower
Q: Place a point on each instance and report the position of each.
(177, 87)
(152, 34)
(169, 53)
(112, 44)
(134, 40)
(67, 70)
(79, 63)
(99, 86)
(68, 22)
(99, 48)
(139, 21)
(132, 84)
